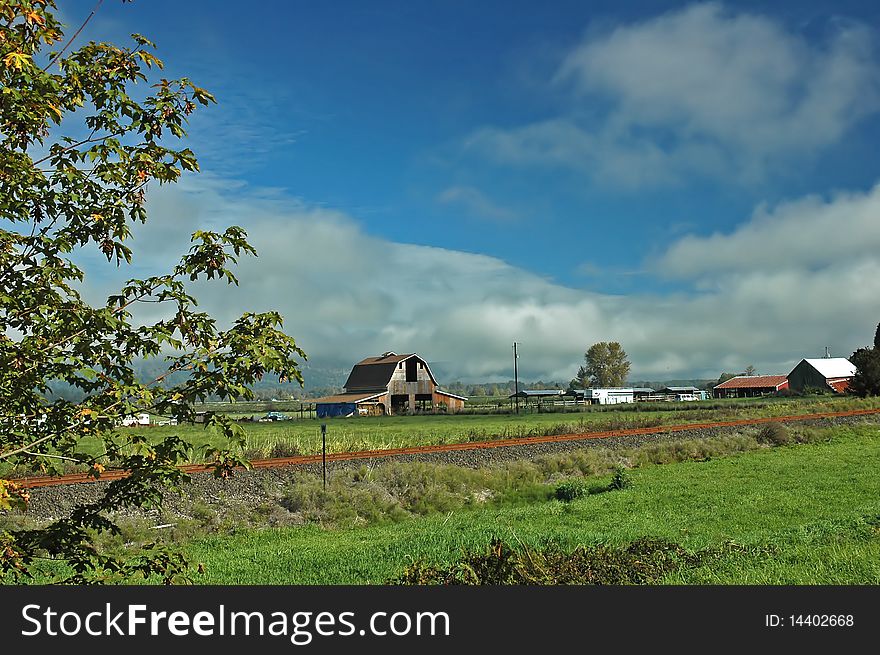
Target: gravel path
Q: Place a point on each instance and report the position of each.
(251, 488)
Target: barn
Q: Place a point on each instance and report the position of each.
(390, 384)
(751, 386)
(827, 373)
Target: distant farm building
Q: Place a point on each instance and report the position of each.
(751, 386)
(540, 397)
(832, 373)
(136, 419)
(642, 393)
(617, 395)
(683, 393)
(609, 396)
(538, 393)
(389, 385)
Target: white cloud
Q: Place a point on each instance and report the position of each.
(699, 91)
(805, 234)
(768, 294)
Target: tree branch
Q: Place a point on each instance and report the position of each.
(73, 38)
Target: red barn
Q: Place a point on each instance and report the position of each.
(750, 386)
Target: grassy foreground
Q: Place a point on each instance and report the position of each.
(806, 514)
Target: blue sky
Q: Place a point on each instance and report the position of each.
(694, 180)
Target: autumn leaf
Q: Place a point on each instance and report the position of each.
(13, 496)
(16, 60)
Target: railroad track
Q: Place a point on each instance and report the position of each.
(279, 462)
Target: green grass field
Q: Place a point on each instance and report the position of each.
(813, 512)
(364, 433)
(303, 436)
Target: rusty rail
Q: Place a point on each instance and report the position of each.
(279, 462)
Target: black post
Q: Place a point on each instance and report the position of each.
(324, 453)
(515, 379)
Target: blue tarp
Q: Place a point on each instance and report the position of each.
(331, 410)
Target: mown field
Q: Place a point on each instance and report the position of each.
(798, 514)
(363, 433)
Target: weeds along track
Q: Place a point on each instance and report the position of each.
(300, 460)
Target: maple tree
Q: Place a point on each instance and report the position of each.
(78, 153)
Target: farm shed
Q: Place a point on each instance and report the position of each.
(539, 396)
(832, 373)
(683, 393)
(750, 386)
(389, 385)
(609, 396)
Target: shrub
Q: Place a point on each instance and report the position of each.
(774, 434)
(570, 490)
(809, 435)
(644, 561)
(284, 449)
(620, 479)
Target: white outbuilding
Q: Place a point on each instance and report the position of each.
(609, 395)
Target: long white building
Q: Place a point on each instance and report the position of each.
(609, 395)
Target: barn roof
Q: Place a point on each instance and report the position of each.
(833, 367)
(443, 392)
(376, 372)
(753, 382)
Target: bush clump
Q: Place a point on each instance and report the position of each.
(774, 434)
(644, 561)
(620, 479)
(569, 490)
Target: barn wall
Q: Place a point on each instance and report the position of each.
(452, 404)
(804, 376)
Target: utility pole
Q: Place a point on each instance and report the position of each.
(515, 379)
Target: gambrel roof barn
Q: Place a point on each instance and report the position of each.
(390, 384)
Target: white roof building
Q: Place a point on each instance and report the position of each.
(833, 367)
(826, 373)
